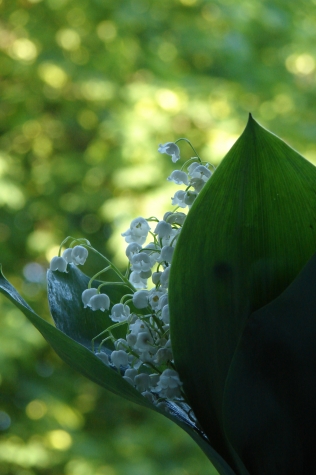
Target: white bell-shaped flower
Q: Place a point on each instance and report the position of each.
(178, 199)
(171, 149)
(58, 263)
(178, 177)
(137, 327)
(141, 262)
(175, 218)
(79, 255)
(170, 239)
(139, 226)
(201, 172)
(137, 232)
(142, 382)
(144, 341)
(99, 302)
(131, 373)
(165, 316)
(120, 312)
(132, 249)
(86, 296)
(164, 279)
(154, 296)
(119, 358)
(169, 385)
(163, 355)
(166, 254)
(140, 298)
(136, 280)
(163, 229)
(190, 197)
(192, 167)
(67, 254)
(130, 237)
(197, 184)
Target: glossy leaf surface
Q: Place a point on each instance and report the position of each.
(247, 236)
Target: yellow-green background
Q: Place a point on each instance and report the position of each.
(89, 88)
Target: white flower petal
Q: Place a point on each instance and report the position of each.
(86, 296)
(120, 312)
(178, 177)
(163, 229)
(58, 263)
(99, 302)
(140, 298)
(170, 148)
(79, 255)
(67, 254)
(119, 358)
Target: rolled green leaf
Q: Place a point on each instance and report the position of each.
(247, 236)
(270, 396)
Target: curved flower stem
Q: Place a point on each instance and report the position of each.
(127, 301)
(113, 267)
(107, 330)
(188, 161)
(97, 275)
(188, 141)
(110, 283)
(74, 240)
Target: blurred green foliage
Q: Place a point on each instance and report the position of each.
(89, 88)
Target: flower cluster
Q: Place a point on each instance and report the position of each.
(144, 357)
(76, 255)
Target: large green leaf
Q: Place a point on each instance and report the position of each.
(247, 236)
(270, 396)
(84, 361)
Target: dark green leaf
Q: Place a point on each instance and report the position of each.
(247, 236)
(270, 396)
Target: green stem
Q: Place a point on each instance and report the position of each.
(188, 141)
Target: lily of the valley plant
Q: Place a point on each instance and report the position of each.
(214, 322)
